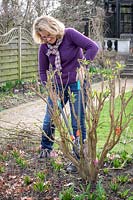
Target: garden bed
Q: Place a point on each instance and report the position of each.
(9, 100)
(24, 177)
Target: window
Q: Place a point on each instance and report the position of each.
(126, 19)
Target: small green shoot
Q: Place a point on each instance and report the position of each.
(40, 186)
(3, 157)
(80, 197)
(86, 193)
(123, 155)
(105, 170)
(56, 165)
(21, 162)
(41, 176)
(124, 194)
(116, 163)
(114, 186)
(67, 194)
(100, 192)
(130, 198)
(2, 169)
(27, 180)
(15, 153)
(123, 178)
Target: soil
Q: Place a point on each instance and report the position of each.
(19, 176)
(20, 166)
(15, 99)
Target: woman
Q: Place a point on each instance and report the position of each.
(61, 48)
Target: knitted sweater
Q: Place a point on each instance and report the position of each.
(71, 49)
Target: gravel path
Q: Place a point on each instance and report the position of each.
(32, 113)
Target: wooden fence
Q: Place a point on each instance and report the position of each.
(18, 56)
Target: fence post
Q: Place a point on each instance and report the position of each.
(19, 53)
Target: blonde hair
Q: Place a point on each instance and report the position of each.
(49, 24)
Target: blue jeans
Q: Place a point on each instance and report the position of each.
(48, 125)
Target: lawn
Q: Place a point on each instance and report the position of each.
(104, 127)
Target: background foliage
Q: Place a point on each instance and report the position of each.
(72, 13)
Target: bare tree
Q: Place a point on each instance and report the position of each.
(72, 13)
(21, 12)
(77, 13)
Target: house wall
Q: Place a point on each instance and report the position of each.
(119, 17)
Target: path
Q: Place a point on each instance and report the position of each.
(33, 112)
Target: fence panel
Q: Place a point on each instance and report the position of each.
(18, 56)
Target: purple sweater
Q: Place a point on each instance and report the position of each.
(71, 49)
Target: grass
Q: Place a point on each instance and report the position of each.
(104, 127)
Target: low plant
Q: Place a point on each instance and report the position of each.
(2, 169)
(116, 163)
(3, 157)
(27, 180)
(125, 158)
(100, 192)
(10, 87)
(21, 162)
(7, 86)
(67, 194)
(87, 192)
(114, 186)
(41, 176)
(123, 178)
(124, 193)
(105, 170)
(124, 155)
(79, 197)
(130, 198)
(41, 186)
(56, 165)
(15, 153)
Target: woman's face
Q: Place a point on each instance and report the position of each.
(47, 37)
